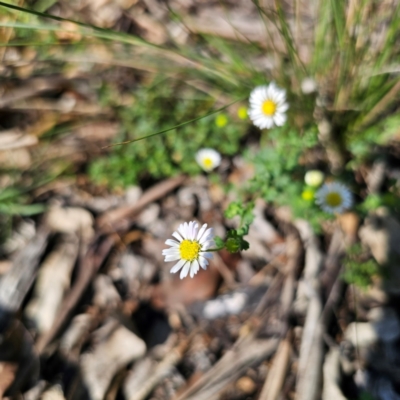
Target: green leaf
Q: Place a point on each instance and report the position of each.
(219, 242)
(232, 245)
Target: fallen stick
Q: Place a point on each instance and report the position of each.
(159, 372)
(272, 387)
(17, 281)
(246, 351)
(311, 348)
(276, 376)
(115, 220)
(88, 267)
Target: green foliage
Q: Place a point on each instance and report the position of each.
(235, 242)
(359, 270)
(366, 396)
(154, 109)
(357, 95)
(244, 211)
(234, 239)
(374, 201)
(279, 177)
(379, 134)
(12, 202)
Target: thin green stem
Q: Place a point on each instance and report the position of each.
(216, 249)
(174, 127)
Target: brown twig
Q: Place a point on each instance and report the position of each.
(115, 220)
(245, 352)
(276, 375)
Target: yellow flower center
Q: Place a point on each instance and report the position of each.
(189, 250)
(333, 199)
(269, 107)
(207, 162)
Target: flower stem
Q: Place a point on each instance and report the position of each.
(217, 249)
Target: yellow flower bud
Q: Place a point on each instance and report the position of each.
(221, 120)
(308, 195)
(242, 112)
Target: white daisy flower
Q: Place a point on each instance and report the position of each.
(334, 197)
(268, 106)
(314, 178)
(190, 248)
(208, 159)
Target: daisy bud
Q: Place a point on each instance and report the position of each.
(314, 178)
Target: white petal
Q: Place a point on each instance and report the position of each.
(173, 243)
(190, 230)
(201, 231)
(183, 230)
(206, 255)
(282, 108)
(172, 257)
(269, 123)
(185, 270)
(279, 96)
(193, 231)
(203, 262)
(207, 235)
(279, 119)
(194, 268)
(177, 236)
(197, 268)
(207, 245)
(170, 252)
(178, 266)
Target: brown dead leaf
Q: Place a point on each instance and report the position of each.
(53, 280)
(349, 223)
(71, 220)
(8, 371)
(19, 365)
(186, 291)
(46, 122)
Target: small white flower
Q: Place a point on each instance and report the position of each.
(190, 248)
(334, 197)
(268, 106)
(314, 178)
(208, 159)
(308, 85)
